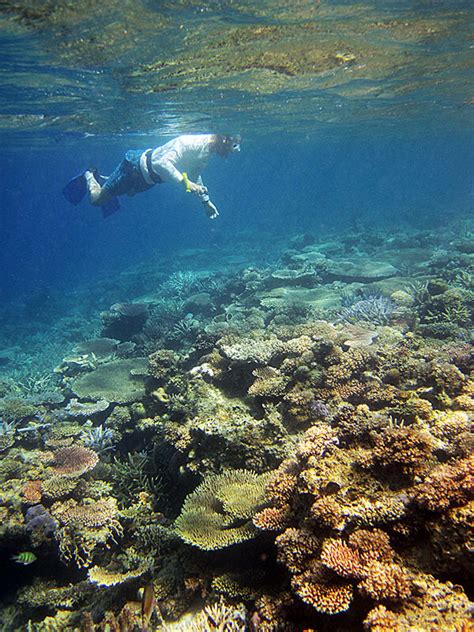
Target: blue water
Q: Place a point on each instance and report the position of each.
(278, 185)
(359, 143)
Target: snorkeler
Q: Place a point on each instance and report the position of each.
(180, 160)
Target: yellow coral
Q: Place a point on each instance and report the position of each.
(104, 577)
(217, 514)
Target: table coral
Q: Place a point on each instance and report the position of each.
(119, 381)
(74, 461)
(217, 514)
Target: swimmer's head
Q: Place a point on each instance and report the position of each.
(226, 145)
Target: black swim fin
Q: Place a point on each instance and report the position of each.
(76, 189)
(110, 207)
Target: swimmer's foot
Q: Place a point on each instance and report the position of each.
(93, 186)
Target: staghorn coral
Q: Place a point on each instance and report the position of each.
(217, 514)
(74, 461)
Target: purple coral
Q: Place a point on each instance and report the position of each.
(319, 409)
(377, 310)
(38, 518)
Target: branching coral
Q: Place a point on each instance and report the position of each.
(327, 597)
(325, 496)
(403, 450)
(84, 527)
(447, 486)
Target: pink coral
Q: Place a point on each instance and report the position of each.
(74, 461)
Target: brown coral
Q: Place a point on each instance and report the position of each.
(373, 545)
(385, 582)
(273, 518)
(328, 598)
(32, 491)
(74, 461)
(342, 559)
(382, 620)
(404, 450)
(327, 512)
(316, 440)
(447, 486)
(295, 548)
(283, 483)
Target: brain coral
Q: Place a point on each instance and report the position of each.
(119, 381)
(218, 513)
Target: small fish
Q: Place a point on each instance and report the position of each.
(25, 558)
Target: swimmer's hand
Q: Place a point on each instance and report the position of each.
(211, 210)
(195, 188)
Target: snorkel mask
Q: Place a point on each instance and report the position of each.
(235, 142)
(229, 144)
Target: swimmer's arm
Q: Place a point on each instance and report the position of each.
(165, 168)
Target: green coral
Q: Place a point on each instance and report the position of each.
(137, 473)
(119, 381)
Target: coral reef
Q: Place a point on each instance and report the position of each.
(332, 438)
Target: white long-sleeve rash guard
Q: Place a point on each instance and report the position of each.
(188, 153)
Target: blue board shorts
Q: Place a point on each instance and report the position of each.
(127, 178)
